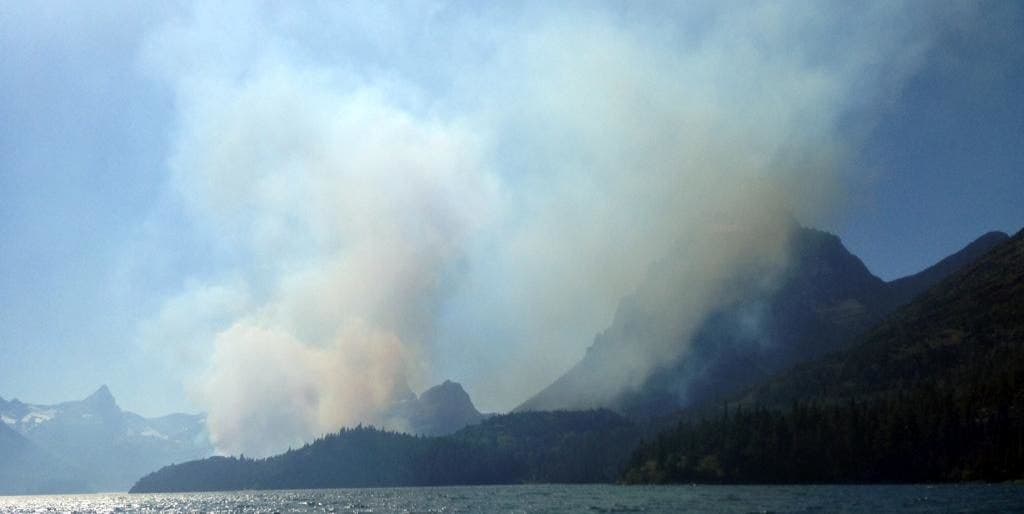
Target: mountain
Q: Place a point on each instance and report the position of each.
(933, 393)
(905, 289)
(27, 469)
(587, 446)
(440, 410)
(109, 447)
(973, 319)
(823, 299)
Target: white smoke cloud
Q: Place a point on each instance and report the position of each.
(186, 322)
(345, 213)
(631, 133)
(268, 390)
(415, 191)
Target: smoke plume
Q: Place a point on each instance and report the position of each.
(414, 192)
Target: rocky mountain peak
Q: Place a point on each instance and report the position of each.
(440, 410)
(447, 392)
(102, 399)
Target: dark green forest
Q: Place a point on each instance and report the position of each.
(585, 446)
(934, 433)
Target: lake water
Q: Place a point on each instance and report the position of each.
(553, 498)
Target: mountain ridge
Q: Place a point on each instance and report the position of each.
(947, 294)
(931, 394)
(440, 410)
(917, 283)
(826, 297)
(106, 447)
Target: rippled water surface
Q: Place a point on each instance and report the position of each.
(553, 498)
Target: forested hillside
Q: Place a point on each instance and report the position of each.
(934, 393)
(587, 446)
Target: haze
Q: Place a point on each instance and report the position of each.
(245, 209)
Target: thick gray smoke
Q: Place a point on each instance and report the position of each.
(403, 193)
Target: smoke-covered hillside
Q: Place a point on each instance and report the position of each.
(822, 299)
(933, 393)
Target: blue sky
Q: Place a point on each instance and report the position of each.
(946, 160)
(127, 246)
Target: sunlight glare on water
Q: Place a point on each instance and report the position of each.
(550, 498)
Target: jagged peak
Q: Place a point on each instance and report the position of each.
(446, 387)
(447, 392)
(101, 397)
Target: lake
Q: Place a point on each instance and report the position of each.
(554, 498)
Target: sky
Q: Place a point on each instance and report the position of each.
(220, 207)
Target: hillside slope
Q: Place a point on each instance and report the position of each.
(824, 299)
(27, 469)
(934, 393)
(973, 318)
(903, 290)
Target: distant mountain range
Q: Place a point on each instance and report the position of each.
(91, 444)
(825, 299)
(28, 469)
